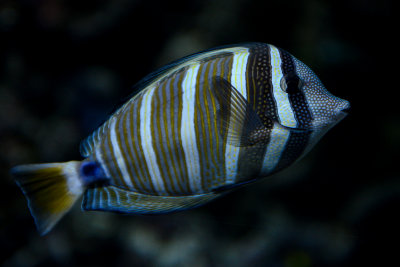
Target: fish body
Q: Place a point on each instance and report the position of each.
(196, 128)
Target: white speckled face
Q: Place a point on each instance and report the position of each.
(326, 109)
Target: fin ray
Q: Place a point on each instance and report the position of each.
(116, 199)
(235, 115)
(87, 145)
(50, 189)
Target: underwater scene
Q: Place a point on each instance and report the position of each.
(198, 133)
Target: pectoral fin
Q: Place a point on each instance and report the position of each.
(111, 198)
(236, 117)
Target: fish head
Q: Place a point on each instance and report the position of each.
(314, 106)
(325, 110)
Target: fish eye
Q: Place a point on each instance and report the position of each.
(291, 83)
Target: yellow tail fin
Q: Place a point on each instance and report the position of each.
(50, 189)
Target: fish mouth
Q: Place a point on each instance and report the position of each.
(346, 110)
(343, 110)
(341, 115)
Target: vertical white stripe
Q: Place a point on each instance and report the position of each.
(100, 201)
(238, 80)
(97, 151)
(108, 196)
(188, 134)
(118, 155)
(285, 111)
(89, 143)
(117, 195)
(279, 135)
(94, 190)
(147, 144)
(99, 158)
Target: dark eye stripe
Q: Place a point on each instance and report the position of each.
(297, 142)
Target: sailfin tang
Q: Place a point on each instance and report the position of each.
(50, 189)
(111, 198)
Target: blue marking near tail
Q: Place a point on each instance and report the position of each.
(92, 173)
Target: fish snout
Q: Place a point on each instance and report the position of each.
(342, 110)
(343, 107)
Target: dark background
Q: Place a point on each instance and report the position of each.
(64, 65)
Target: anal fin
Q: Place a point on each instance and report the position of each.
(111, 198)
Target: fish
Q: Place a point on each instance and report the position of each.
(194, 130)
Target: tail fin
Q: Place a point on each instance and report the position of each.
(50, 189)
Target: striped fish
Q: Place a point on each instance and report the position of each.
(196, 129)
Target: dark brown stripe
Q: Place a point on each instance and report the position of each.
(139, 174)
(158, 138)
(123, 139)
(109, 160)
(226, 73)
(260, 98)
(200, 124)
(222, 69)
(167, 136)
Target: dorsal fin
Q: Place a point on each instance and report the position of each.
(148, 79)
(87, 145)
